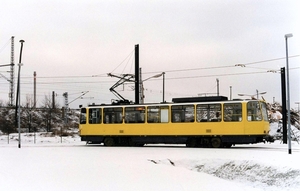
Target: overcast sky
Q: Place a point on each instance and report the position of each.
(73, 44)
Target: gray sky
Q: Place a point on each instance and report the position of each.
(67, 42)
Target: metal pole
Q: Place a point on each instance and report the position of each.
(141, 90)
(230, 92)
(217, 86)
(34, 129)
(163, 87)
(288, 94)
(34, 89)
(137, 78)
(65, 112)
(19, 119)
(12, 73)
(283, 100)
(19, 93)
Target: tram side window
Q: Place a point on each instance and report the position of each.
(209, 113)
(112, 115)
(82, 116)
(95, 116)
(158, 114)
(135, 115)
(253, 111)
(232, 112)
(183, 113)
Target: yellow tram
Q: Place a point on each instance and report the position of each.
(197, 122)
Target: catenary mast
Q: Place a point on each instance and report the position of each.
(12, 73)
(137, 78)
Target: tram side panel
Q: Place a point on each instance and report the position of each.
(228, 120)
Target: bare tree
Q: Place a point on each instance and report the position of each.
(28, 113)
(51, 113)
(7, 118)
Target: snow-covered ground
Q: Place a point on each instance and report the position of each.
(51, 163)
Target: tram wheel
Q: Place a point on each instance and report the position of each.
(108, 141)
(216, 142)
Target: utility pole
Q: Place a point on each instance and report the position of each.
(164, 87)
(18, 102)
(288, 93)
(52, 109)
(12, 73)
(230, 92)
(34, 89)
(141, 89)
(53, 100)
(283, 100)
(218, 87)
(66, 106)
(65, 113)
(137, 78)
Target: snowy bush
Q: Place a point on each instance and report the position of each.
(37, 120)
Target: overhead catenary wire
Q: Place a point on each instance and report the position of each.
(86, 79)
(28, 91)
(104, 75)
(169, 78)
(227, 66)
(128, 62)
(61, 87)
(270, 60)
(129, 55)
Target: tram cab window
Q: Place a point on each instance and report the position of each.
(135, 115)
(94, 116)
(158, 114)
(113, 115)
(82, 116)
(209, 113)
(232, 112)
(264, 111)
(253, 111)
(182, 113)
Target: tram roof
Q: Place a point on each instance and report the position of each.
(199, 99)
(176, 101)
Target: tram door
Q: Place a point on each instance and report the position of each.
(254, 123)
